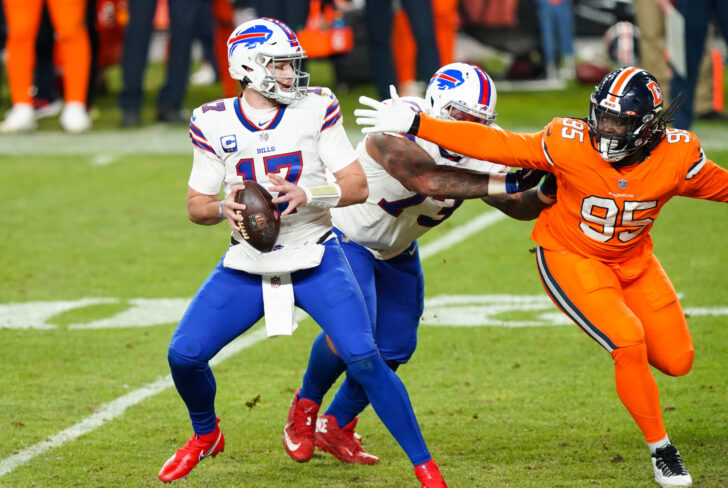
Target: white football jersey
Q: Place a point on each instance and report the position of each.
(234, 142)
(393, 216)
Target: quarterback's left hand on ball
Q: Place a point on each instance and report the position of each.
(396, 116)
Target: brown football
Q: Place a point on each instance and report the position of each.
(261, 219)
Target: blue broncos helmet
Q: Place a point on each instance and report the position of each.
(631, 99)
(253, 49)
(461, 87)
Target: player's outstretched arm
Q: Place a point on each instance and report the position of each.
(353, 183)
(416, 170)
(526, 205)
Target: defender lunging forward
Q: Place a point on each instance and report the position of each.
(615, 171)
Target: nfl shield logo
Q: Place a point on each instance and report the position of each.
(622, 184)
(275, 281)
(263, 136)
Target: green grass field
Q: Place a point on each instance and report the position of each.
(97, 259)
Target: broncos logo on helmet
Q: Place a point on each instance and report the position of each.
(249, 38)
(447, 79)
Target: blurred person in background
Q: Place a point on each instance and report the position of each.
(405, 49)
(380, 19)
(68, 20)
(556, 23)
(137, 35)
(650, 18)
(697, 15)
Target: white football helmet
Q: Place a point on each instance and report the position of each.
(465, 88)
(255, 47)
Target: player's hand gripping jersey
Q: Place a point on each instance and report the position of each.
(393, 216)
(299, 142)
(602, 212)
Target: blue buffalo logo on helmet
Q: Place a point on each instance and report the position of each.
(250, 38)
(448, 79)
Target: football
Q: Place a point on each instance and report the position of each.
(261, 219)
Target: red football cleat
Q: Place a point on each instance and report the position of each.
(195, 450)
(429, 475)
(341, 443)
(298, 434)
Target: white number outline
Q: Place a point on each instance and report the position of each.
(573, 128)
(612, 218)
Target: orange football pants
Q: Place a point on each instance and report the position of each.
(637, 319)
(445, 15)
(68, 19)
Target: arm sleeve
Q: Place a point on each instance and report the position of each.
(486, 143)
(335, 149)
(207, 173)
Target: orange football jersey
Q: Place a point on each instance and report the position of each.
(601, 212)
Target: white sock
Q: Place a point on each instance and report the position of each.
(656, 445)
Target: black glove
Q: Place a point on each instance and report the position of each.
(523, 179)
(547, 190)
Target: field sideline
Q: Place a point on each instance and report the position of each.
(507, 392)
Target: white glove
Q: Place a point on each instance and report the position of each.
(396, 116)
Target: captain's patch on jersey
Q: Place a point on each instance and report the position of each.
(229, 143)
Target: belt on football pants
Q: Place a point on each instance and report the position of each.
(321, 240)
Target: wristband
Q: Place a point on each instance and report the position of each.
(322, 196)
(220, 209)
(496, 184)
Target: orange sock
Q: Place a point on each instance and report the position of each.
(637, 389)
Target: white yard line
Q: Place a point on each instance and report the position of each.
(117, 407)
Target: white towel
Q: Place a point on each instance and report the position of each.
(278, 304)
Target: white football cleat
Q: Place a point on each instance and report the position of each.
(75, 118)
(669, 468)
(20, 118)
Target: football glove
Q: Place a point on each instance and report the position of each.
(547, 190)
(396, 116)
(523, 179)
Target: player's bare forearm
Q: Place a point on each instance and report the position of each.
(417, 171)
(520, 206)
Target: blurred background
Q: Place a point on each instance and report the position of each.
(137, 63)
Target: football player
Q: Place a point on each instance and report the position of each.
(286, 137)
(615, 171)
(379, 238)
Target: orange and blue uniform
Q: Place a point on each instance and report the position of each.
(595, 252)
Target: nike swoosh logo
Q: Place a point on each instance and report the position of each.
(292, 446)
(263, 123)
(203, 454)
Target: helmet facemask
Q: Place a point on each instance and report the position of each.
(617, 135)
(283, 88)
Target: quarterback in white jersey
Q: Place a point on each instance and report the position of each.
(287, 137)
(413, 186)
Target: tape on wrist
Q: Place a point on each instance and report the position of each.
(496, 184)
(220, 209)
(322, 196)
